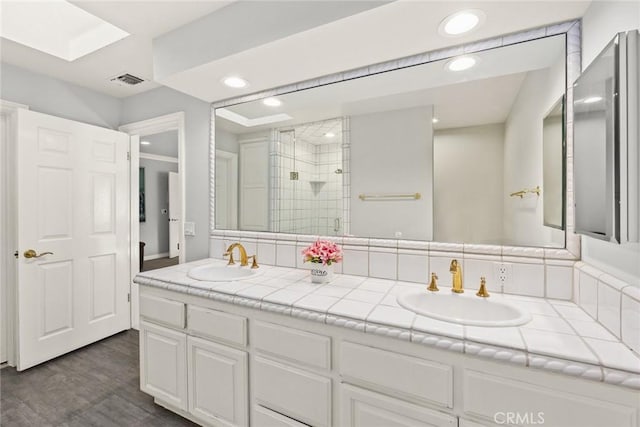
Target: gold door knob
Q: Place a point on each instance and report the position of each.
(30, 253)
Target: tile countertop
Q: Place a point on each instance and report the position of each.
(561, 337)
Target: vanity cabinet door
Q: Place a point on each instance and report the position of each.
(363, 408)
(163, 364)
(218, 383)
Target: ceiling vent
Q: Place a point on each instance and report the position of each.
(127, 79)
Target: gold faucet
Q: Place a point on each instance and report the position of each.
(456, 270)
(433, 285)
(482, 292)
(244, 260)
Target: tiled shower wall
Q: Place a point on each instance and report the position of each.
(312, 204)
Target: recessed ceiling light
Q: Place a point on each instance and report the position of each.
(272, 102)
(592, 99)
(462, 63)
(145, 143)
(435, 120)
(235, 82)
(329, 135)
(57, 27)
(461, 22)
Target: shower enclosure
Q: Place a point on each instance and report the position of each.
(307, 179)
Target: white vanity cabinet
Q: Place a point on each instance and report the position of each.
(185, 370)
(217, 378)
(364, 408)
(163, 364)
(221, 364)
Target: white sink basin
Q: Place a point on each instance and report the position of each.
(223, 273)
(465, 309)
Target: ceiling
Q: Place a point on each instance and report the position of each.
(481, 95)
(394, 30)
(144, 20)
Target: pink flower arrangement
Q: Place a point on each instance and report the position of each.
(323, 251)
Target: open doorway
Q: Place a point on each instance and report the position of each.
(159, 196)
(171, 127)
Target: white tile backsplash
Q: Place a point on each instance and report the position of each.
(413, 266)
(383, 264)
(526, 278)
(266, 252)
(476, 267)
(559, 281)
(609, 308)
(588, 295)
(286, 254)
(630, 327)
(355, 260)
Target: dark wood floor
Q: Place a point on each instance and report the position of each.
(95, 386)
(153, 264)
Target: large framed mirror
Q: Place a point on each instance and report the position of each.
(447, 150)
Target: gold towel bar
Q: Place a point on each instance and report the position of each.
(412, 196)
(521, 193)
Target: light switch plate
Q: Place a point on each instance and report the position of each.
(189, 228)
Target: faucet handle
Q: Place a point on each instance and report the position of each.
(482, 292)
(230, 255)
(254, 264)
(433, 285)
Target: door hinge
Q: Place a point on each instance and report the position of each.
(128, 155)
(178, 244)
(128, 297)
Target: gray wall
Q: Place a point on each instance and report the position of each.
(392, 152)
(155, 230)
(161, 101)
(58, 98)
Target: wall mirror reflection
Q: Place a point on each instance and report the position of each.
(554, 171)
(429, 152)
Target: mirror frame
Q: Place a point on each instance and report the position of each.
(571, 30)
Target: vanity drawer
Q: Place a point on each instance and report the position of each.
(217, 325)
(489, 396)
(364, 408)
(292, 345)
(162, 310)
(402, 375)
(266, 417)
(301, 395)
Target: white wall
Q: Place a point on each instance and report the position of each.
(467, 184)
(161, 101)
(600, 23)
(227, 141)
(58, 98)
(392, 152)
(155, 230)
(523, 218)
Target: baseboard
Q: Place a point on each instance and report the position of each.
(156, 256)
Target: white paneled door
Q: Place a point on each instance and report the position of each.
(175, 222)
(73, 235)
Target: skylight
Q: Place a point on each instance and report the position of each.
(57, 27)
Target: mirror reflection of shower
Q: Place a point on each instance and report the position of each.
(308, 187)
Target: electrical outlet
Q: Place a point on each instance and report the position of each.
(502, 272)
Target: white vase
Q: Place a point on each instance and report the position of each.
(321, 273)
